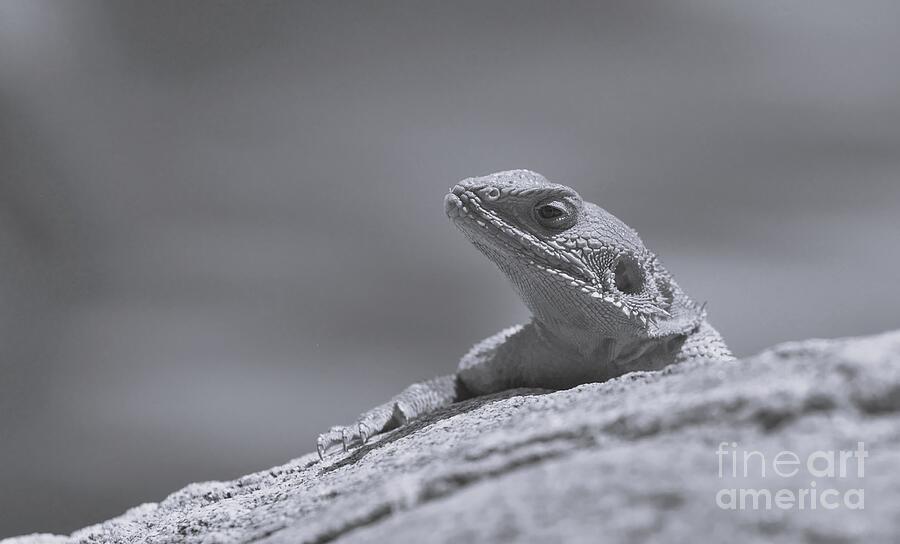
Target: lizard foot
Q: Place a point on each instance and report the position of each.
(342, 438)
(337, 439)
(415, 400)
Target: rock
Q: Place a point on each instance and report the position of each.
(37, 538)
(631, 459)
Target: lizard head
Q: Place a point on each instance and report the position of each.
(575, 265)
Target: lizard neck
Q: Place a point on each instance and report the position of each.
(610, 356)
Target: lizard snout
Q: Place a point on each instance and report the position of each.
(453, 206)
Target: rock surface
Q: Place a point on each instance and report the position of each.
(632, 459)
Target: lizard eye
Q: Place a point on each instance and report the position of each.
(549, 212)
(554, 214)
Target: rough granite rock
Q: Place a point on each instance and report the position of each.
(632, 459)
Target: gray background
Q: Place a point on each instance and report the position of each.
(221, 228)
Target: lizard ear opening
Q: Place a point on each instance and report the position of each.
(628, 276)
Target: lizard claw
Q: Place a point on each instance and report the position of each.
(321, 447)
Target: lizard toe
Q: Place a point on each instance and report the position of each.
(364, 432)
(330, 442)
(350, 436)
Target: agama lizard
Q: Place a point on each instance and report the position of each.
(602, 304)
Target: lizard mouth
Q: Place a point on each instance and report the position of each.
(485, 227)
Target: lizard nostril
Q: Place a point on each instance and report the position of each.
(489, 193)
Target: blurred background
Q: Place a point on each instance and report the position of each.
(221, 228)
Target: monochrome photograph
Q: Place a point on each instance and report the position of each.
(286, 272)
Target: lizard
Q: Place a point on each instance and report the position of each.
(601, 303)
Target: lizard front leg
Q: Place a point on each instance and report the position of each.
(513, 357)
(416, 400)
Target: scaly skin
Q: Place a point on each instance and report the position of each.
(602, 305)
